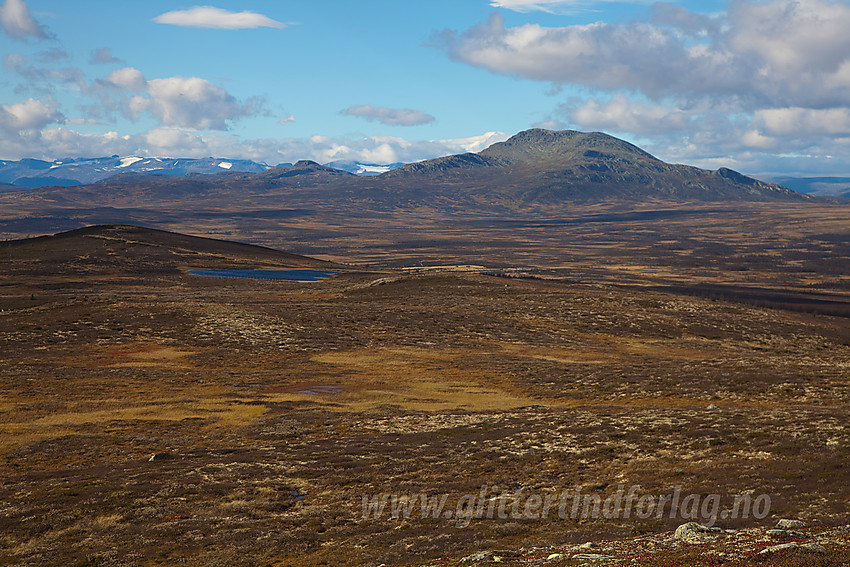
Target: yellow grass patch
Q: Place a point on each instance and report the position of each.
(562, 355)
(135, 355)
(142, 355)
(414, 379)
(214, 412)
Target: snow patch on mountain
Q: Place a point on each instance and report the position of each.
(128, 161)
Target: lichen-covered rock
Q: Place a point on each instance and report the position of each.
(780, 547)
(481, 557)
(813, 547)
(790, 524)
(693, 532)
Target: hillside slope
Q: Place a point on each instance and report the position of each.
(111, 249)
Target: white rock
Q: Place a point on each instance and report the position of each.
(693, 532)
(780, 547)
(786, 524)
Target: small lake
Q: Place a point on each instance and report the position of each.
(280, 275)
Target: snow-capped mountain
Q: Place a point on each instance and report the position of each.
(31, 173)
(358, 168)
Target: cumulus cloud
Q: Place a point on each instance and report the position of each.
(803, 121)
(189, 102)
(194, 103)
(389, 116)
(18, 23)
(29, 115)
(623, 114)
(638, 56)
(217, 18)
(103, 56)
(760, 52)
(128, 79)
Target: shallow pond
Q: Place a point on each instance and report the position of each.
(285, 275)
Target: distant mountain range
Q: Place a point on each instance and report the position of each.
(536, 170)
(69, 172)
(32, 173)
(820, 186)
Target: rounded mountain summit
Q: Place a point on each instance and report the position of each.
(546, 167)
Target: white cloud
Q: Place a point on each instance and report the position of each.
(804, 122)
(622, 114)
(188, 102)
(638, 56)
(763, 53)
(216, 18)
(31, 114)
(389, 116)
(194, 103)
(475, 143)
(128, 78)
(792, 36)
(551, 6)
(18, 23)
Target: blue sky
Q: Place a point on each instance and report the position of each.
(761, 86)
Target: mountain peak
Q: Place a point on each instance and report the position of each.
(555, 166)
(539, 143)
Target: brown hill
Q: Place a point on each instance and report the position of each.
(547, 167)
(126, 249)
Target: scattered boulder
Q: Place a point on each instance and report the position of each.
(778, 548)
(813, 547)
(693, 532)
(481, 557)
(712, 407)
(555, 556)
(589, 545)
(790, 524)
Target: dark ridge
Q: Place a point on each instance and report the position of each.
(303, 167)
(136, 249)
(471, 162)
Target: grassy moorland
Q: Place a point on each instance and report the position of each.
(152, 417)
